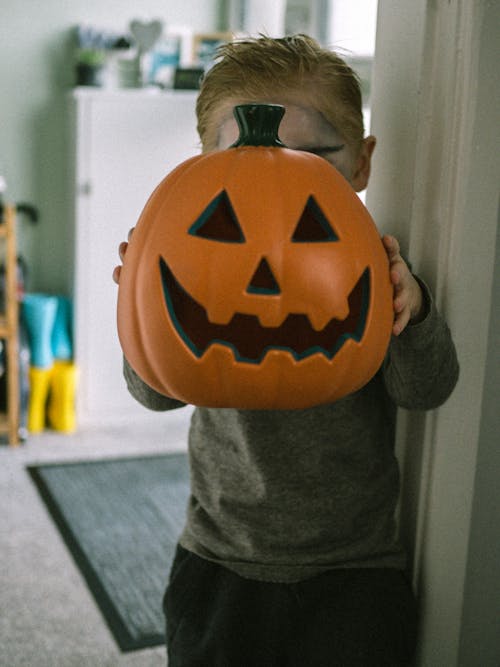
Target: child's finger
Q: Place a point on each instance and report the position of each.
(116, 274)
(392, 247)
(399, 304)
(122, 249)
(395, 277)
(401, 321)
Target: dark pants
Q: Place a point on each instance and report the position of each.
(345, 618)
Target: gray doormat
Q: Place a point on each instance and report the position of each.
(121, 519)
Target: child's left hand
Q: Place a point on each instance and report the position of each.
(408, 299)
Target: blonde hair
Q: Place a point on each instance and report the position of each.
(256, 68)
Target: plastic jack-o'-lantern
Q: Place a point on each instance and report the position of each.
(255, 278)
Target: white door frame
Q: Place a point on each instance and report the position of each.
(435, 186)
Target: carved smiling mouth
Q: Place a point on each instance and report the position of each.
(249, 340)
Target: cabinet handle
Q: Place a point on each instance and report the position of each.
(84, 189)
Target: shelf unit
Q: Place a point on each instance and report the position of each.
(124, 142)
(9, 326)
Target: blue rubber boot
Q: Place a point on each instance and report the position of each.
(62, 347)
(39, 313)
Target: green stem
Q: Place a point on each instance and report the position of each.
(258, 124)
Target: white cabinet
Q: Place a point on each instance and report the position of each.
(125, 142)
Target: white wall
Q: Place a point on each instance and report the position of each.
(352, 26)
(480, 632)
(435, 184)
(35, 73)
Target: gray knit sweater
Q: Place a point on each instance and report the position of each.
(285, 495)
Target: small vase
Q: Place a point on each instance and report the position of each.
(89, 75)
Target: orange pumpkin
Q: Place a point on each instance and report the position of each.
(255, 278)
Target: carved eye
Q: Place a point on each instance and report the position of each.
(313, 227)
(218, 222)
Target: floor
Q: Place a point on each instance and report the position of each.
(48, 617)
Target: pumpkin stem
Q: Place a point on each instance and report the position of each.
(258, 124)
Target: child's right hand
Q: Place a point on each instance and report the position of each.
(122, 249)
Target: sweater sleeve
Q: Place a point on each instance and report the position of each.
(144, 394)
(421, 367)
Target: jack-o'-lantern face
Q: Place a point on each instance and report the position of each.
(255, 279)
(244, 334)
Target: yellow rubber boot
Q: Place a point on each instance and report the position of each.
(61, 408)
(39, 379)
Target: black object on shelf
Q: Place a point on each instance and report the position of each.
(188, 78)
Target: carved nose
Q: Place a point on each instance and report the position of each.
(263, 280)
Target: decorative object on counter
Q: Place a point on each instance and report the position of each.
(188, 78)
(149, 55)
(128, 72)
(205, 47)
(164, 60)
(90, 56)
(98, 57)
(145, 35)
(89, 67)
(118, 59)
(52, 372)
(275, 300)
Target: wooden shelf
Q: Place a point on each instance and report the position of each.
(9, 327)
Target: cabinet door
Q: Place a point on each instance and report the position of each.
(126, 143)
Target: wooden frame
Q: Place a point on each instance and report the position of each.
(9, 326)
(208, 41)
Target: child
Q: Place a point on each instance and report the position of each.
(289, 555)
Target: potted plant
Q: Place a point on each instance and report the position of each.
(90, 64)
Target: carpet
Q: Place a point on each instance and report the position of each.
(121, 519)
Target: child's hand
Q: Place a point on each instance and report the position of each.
(408, 299)
(122, 249)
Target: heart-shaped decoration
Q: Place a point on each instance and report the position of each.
(146, 34)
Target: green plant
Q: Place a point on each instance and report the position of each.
(90, 57)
